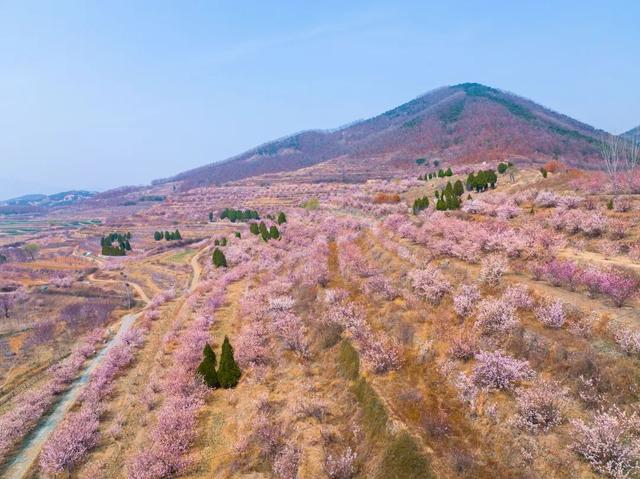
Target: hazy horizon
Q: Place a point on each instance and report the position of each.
(95, 97)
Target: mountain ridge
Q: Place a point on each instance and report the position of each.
(467, 122)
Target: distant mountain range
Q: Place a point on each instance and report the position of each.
(58, 199)
(463, 123)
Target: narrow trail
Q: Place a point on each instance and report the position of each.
(23, 461)
(135, 286)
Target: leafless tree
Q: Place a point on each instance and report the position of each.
(612, 153)
(619, 154)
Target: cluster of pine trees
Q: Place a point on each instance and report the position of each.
(420, 204)
(449, 198)
(440, 174)
(482, 180)
(237, 215)
(108, 248)
(227, 375)
(168, 235)
(221, 242)
(262, 230)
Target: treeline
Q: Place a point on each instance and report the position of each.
(122, 240)
(152, 198)
(482, 180)
(237, 215)
(440, 174)
(167, 235)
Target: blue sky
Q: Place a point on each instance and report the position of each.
(100, 94)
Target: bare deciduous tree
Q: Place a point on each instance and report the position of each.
(619, 154)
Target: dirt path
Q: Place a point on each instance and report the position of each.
(591, 257)
(135, 286)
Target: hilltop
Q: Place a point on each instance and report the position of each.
(463, 123)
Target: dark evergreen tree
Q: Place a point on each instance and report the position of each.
(471, 182)
(237, 233)
(448, 172)
(210, 216)
(158, 235)
(610, 204)
(448, 190)
(253, 228)
(458, 189)
(273, 232)
(440, 173)
(264, 232)
(502, 167)
(229, 372)
(177, 234)
(207, 368)
(219, 259)
(282, 218)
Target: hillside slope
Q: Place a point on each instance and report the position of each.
(468, 122)
(634, 133)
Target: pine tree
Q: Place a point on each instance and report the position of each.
(228, 372)
(458, 189)
(253, 228)
(449, 188)
(448, 172)
(282, 218)
(238, 235)
(210, 216)
(273, 232)
(264, 232)
(207, 368)
(158, 235)
(219, 259)
(471, 182)
(178, 235)
(610, 204)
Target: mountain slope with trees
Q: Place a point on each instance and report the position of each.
(463, 123)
